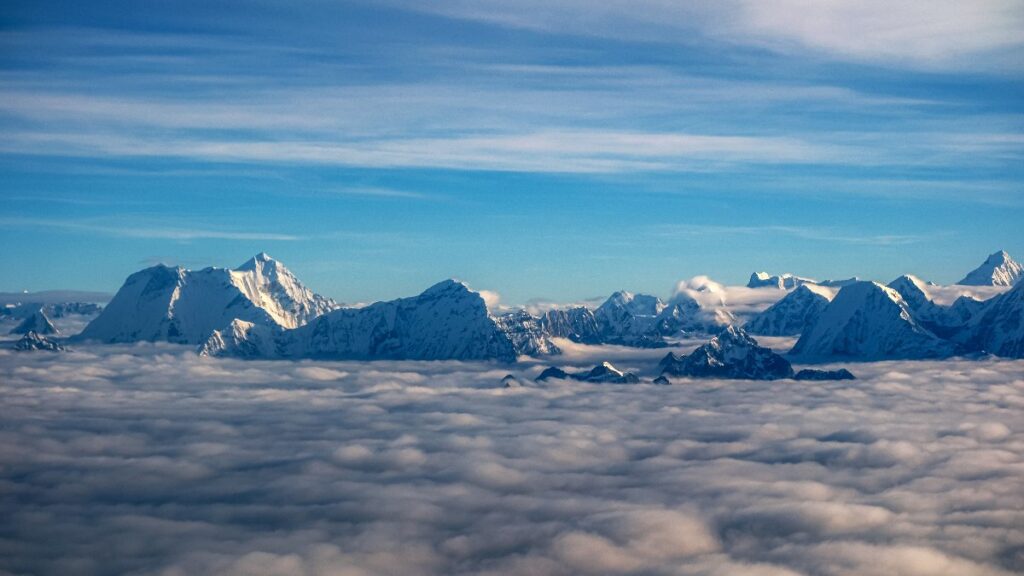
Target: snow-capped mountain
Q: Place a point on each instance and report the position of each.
(577, 324)
(699, 305)
(272, 287)
(914, 292)
(997, 270)
(782, 282)
(36, 322)
(792, 314)
(789, 281)
(730, 354)
(868, 321)
(162, 303)
(629, 319)
(998, 326)
(526, 334)
(33, 341)
(446, 322)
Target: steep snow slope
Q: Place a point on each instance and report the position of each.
(272, 287)
(998, 326)
(997, 270)
(36, 322)
(184, 306)
(792, 314)
(868, 321)
(446, 322)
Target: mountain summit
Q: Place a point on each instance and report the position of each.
(173, 304)
(868, 321)
(448, 321)
(997, 270)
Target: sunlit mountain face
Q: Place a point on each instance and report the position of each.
(634, 288)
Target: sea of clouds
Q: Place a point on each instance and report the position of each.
(148, 459)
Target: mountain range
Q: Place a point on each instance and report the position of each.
(261, 310)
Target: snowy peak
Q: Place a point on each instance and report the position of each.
(448, 321)
(34, 341)
(869, 321)
(997, 270)
(526, 333)
(627, 318)
(272, 287)
(172, 304)
(997, 325)
(782, 282)
(793, 314)
(36, 323)
(730, 354)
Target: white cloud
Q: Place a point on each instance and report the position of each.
(237, 467)
(940, 34)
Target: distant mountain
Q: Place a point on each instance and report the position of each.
(603, 373)
(629, 319)
(839, 283)
(37, 323)
(791, 315)
(789, 281)
(577, 324)
(781, 282)
(446, 322)
(731, 354)
(185, 306)
(697, 307)
(997, 326)
(868, 321)
(34, 341)
(997, 270)
(526, 333)
(943, 321)
(54, 297)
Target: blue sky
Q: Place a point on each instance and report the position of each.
(555, 149)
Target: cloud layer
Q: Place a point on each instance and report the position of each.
(149, 460)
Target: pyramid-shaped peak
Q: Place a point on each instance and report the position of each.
(258, 261)
(999, 257)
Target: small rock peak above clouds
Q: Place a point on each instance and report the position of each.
(36, 322)
(35, 341)
(732, 354)
(869, 321)
(823, 375)
(510, 381)
(603, 373)
(999, 269)
(793, 314)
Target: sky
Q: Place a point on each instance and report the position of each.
(557, 150)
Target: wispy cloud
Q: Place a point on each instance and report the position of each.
(674, 231)
(135, 231)
(942, 34)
